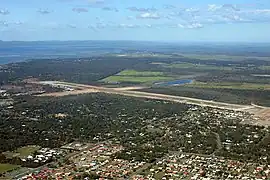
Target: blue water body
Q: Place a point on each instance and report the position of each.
(16, 51)
(21, 51)
(176, 82)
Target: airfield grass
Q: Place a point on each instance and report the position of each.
(133, 76)
(22, 152)
(229, 85)
(140, 73)
(7, 167)
(136, 79)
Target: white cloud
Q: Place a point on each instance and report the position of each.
(141, 9)
(213, 7)
(192, 10)
(149, 16)
(168, 6)
(72, 26)
(18, 23)
(4, 12)
(232, 17)
(44, 11)
(130, 18)
(230, 6)
(194, 26)
(3, 23)
(80, 10)
(110, 9)
(180, 25)
(188, 25)
(128, 26)
(262, 11)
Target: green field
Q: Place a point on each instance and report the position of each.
(135, 79)
(265, 68)
(196, 66)
(27, 150)
(139, 73)
(133, 76)
(230, 85)
(7, 167)
(22, 152)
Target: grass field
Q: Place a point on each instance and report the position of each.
(265, 68)
(27, 150)
(230, 85)
(139, 73)
(7, 167)
(22, 152)
(133, 76)
(136, 79)
(196, 66)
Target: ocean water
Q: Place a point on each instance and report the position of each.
(16, 51)
(21, 51)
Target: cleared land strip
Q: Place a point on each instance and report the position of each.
(84, 89)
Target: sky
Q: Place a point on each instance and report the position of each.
(147, 20)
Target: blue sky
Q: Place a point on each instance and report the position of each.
(153, 20)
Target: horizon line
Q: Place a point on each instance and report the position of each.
(153, 41)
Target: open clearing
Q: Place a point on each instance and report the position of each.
(27, 150)
(7, 167)
(139, 73)
(133, 76)
(22, 152)
(135, 79)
